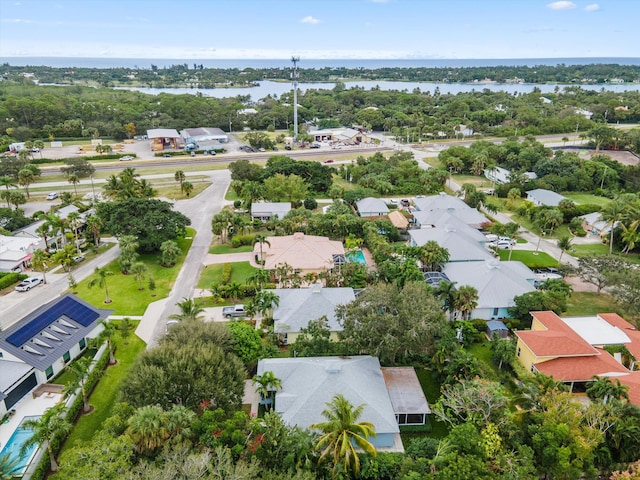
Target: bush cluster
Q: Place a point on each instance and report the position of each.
(9, 278)
(241, 240)
(225, 278)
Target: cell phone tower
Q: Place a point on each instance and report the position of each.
(294, 79)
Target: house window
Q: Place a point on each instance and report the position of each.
(518, 351)
(495, 311)
(83, 343)
(532, 367)
(66, 357)
(49, 372)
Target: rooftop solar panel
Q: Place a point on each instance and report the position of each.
(68, 306)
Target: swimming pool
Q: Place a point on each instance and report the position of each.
(356, 257)
(13, 446)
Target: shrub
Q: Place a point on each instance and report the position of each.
(225, 278)
(9, 279)
(240, 240)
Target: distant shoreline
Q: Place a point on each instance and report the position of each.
(145, 63)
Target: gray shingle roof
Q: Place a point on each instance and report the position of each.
(372, 205)
(461, 247)
(298, 306)
(545, 197)
(308, 384)
(264, 209)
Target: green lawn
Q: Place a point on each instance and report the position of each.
(104, 395)
(587, 198)
(588, 303)
(589, 249)
(211, 274)
(479, 181)
(123, 289)
(431, 390)
(226, 248)
(530, 258)
(65, 377)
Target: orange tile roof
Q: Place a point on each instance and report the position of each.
(630, 330)
(580, 369)
(398, 219)
(558, 340)
(633, 382)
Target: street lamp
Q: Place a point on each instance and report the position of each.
(93, 192)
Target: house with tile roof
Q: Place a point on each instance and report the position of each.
(298, 306)
(309, 383)
(40, 345)
(303, 253)
(571, 350)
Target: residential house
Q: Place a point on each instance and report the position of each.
(53, 241)
(298, 306)
(16, 252)
(308, 384)
(593, 223)
(540, 196)
(399, 221)
(372, 207)
(571, 350)
(459, 240)
(303, 253)
(265, 211)
(497, 283)
(36, 348)
(429, 209)
(501, 175)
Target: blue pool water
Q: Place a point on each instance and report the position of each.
(13, 446)
(357, 257)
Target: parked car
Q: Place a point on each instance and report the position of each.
(314, 145)
(287, 147)
(52, 195)
(275, 149)
(126, 158)
(507, 239)
(28, 283)
(193, 154)
(504, 244)
(167, 155)
(404, 202)
(235, 311)
(491, 237)
(78, 258)
(328, 161)
(541, 277)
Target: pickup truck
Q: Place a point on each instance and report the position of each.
(235, 311)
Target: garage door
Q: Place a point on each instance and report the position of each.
(20, 391)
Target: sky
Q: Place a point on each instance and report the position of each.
(320, 29)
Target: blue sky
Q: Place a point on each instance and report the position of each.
(322, 29)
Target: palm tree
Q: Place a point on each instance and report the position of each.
(446, 293)
(466, 301)
(79, 369)
(265, 301)
(8, 467)
(170, 252)
(261, 239)
(6, 182)
(100, 279)
(51, 424)
(433, 256)
(106, 335)
(342, 433)
(189, 310)
(564, 244)
(128, 252)
(259, 278)
(180, 177)
(74, 180)
(44, 231)
(187, 187)
(126, 327)
(25, 178)
(603, 388)
(139, 270)
(612, 214)
(147, 428)
(74, 221)
(94, 223)
(266, 386)
(39, 262)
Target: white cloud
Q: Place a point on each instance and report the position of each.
(310, 19)
(594, 7)
(562, 5)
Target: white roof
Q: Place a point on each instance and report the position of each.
(11, 373)
(280, 209)
(163, 133)
(440, 201)
(298, 306)
(461, 247)
(372, 205)
(545, 197)
(596, 331)
(452, 220)
(309, 383)
(497, 282)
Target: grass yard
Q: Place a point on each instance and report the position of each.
(431, 390)
(587, 198)
(588, 303)
(211, 274)
(123, 289)
(530, 258)
(104, 395)
(589, 249)
(173, 191)
(226, 248)
(480, 182)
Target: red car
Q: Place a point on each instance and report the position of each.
(328, 161)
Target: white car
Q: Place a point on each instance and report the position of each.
(28, 283)
(126, 158)
(541, 277)
(504, 244)
(52, 195)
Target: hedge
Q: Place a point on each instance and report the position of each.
(225, 278)
(41, 471)
(241, 240)
(10, 278)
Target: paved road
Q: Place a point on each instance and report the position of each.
(200, 210)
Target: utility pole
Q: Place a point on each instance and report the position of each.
(294, 78)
